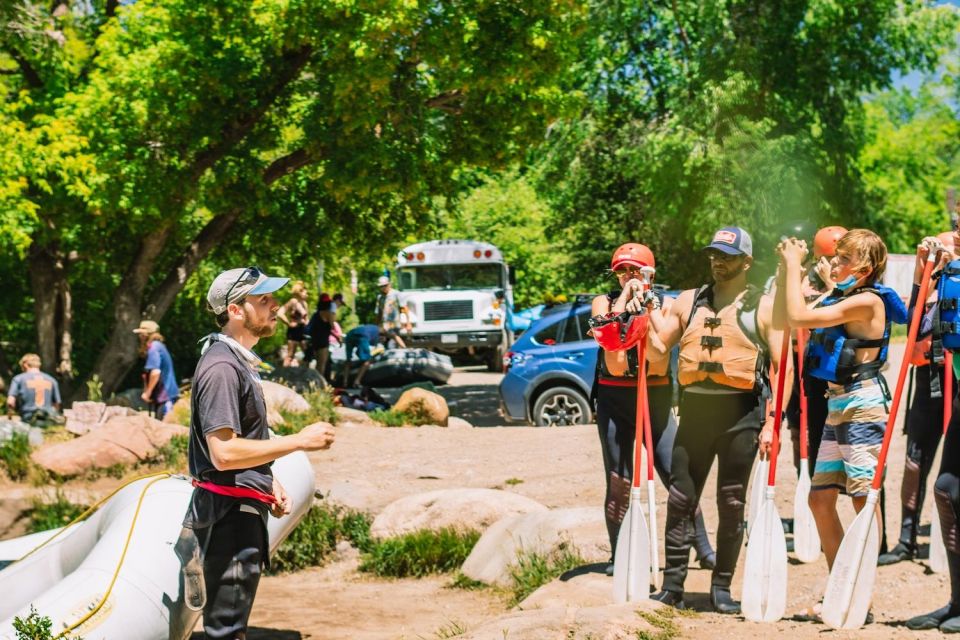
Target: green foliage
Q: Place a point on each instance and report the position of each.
(462, 581)
(453, 629)
(34, 627)
(513, 481)
(532, 570)
(321, 410)
(95, 389)
(392, 418)
(316, 537)
(15, 456)
(663, 623)
(420, 553)
(173, 455)
(59, 512)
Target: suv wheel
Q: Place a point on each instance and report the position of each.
(561, 407)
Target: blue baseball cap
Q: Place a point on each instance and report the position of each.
(733, 241)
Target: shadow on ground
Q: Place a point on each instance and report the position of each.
(259, 633)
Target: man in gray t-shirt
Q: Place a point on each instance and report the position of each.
(34, 394)
(230, 454)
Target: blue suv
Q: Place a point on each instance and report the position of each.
(549, 370)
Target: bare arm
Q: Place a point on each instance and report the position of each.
(852, 309)
(669, 324)
(774, 339)
(228, 451)
(152, 379)
(657, 351)
(282, 313)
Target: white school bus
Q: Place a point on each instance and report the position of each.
(458, 292)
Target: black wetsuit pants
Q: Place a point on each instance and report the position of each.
(816, 391)
(947, 494)
(724, 426)
(924, 427)
(236, 548)
(616, 420)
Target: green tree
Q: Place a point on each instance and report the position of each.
(157, 134)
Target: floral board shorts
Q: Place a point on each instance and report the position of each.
(852, 436)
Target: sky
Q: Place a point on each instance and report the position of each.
(913, 79)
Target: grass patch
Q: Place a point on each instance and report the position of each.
(321, 410)
(33, 627)
(420, 553)
(15, 456)
(664, 623)
(315, 539)
(513, 481)
(533, 570)
(453, 629)
(173, 455)
(51, 515)
(181, 410)
(461, 581)
(393, 418)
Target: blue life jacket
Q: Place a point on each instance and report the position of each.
(831, 354)
(948, 295)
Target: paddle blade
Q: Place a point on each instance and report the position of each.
(806, 538)
(850, 587)
(758, 483)
(631, 564)
(654, 538)
(765, 570)
(938, 552)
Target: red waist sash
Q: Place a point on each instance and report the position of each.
(236, 492)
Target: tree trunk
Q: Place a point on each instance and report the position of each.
(44, 274)
(120, 351)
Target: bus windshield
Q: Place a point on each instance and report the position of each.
(450, 277)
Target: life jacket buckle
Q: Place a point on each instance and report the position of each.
(711, 342)
(712, 323)
(711, 367)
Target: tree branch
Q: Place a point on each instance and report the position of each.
(30, 74)
(111, 8)
(286, 165)
(449, 101)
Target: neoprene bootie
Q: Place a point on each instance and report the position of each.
(722, 601)
(932, 620)
(671, 598)
(899, 553)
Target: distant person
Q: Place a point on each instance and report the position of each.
(294, 314)
(160, 390)
(388, 312)
(359, 341)
(231, 450)
(34, 394)
(319, 330)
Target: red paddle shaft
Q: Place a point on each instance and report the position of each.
(641, 426)
(802, 347)
(778, 406)
(902, 376)
(647, 427)
(947, 390)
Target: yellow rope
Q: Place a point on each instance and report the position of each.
(123, 555)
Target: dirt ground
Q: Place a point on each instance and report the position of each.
(368, 468)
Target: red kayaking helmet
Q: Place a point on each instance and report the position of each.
(637, 255)
(825, 242)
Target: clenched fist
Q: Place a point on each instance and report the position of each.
(316, 436)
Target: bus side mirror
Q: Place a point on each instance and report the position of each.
(511, 275)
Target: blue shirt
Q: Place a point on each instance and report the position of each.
(159, 358)
(369, 331)
(34, 390)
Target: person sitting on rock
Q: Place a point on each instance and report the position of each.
(34, 394)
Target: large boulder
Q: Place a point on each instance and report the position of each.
(83, 417)
(124, 440)
(587, 587)
(542, 532)
(629, 621)
(282, 398)
(424, 403)
(346, 415)
(462, 509)
(14, 426)
(300, 379)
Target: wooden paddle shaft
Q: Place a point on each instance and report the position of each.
(778, 406)
(947, 390)
(804, 428)
(902, 376)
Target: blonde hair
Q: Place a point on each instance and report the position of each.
(298, 290)
(867, 251)
(30, 361)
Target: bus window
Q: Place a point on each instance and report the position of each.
(451, 277)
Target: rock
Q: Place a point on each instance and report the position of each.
(426, 403)
(11, 426)
(627, 621)
(453, 422)
(83, 417)
(280, 397)
(122, 440)
(346, 415)
(462, 509)
(300, 379)
(538, 532)
(589, 589)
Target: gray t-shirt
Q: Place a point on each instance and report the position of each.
(226, 393)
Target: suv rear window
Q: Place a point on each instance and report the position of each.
(549, 335)
(572, 328)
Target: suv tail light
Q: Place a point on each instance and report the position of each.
(507, 360)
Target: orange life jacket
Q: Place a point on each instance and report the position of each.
(724, 347)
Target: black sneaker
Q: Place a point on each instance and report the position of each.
(722, 601)
(671, 598)
(899, 553)
(934, 619)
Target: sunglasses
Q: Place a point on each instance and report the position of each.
(636, 272)
(720, 256)
(250, 275)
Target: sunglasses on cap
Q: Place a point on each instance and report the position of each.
(250, 275)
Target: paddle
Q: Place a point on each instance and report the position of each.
(846, 601)
(806, 538)
(651, 493)
(938, 552)
(631, 565)
(758, 481)
(765, 569)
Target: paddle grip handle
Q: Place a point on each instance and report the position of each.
(778, 405)
(902, 376)
(802, 349)
(947, 390)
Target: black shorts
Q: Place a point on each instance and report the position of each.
(295, 333)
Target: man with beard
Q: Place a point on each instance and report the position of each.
(727, 344)
(230, 456)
